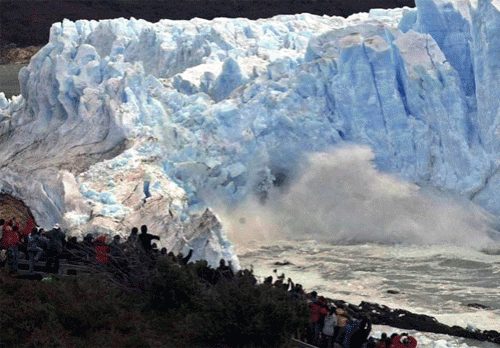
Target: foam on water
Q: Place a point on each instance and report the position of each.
(439, 281)
(429, 340)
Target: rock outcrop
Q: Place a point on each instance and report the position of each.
(406, 320)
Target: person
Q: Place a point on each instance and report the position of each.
(54, 248)
(133, 238)
(23, 235)
(10, 242)
(101, 250)
(118, 257)
(28, 229)
(145, 239)
(35, 249)
(317, 312)
(329, 328)
(346, 334)
(44, 241)
(360, 334)
(116, 249)
(154, 248)
(225, 271)
(372, 342)
(172, 257)
(404, 341)
(88, 248)
(183, 261)
(384, 341)
(342, 319)
(296, 291)
(314, 297)
(267, 280)
(2, 221)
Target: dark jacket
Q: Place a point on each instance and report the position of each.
(56, 239)
(360, 335)
(34, 242)
(145, 240)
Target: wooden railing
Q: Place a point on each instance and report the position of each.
(65, 268)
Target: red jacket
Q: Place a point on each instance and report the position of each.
(6, 223)
(396, 342)
(316, 311)
(101, 250)
(28, 228)
(10, 238)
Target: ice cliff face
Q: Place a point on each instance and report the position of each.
(122, 121)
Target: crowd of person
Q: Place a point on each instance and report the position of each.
(128, 261)
(332, 327)
(36, 244)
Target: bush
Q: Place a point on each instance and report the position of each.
(176, 308)
(246, 315)
(172, 286)
(237, 312)
(68, 313)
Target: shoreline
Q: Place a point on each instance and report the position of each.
(17, 55)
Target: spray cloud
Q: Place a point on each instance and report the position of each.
(342, 197)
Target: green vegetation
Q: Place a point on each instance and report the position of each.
(173, 308)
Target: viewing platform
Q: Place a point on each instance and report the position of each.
(65, 268)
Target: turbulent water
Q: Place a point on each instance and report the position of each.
(436, 280)
(353, 233)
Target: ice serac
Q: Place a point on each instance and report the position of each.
(467, 33)
(123, 122)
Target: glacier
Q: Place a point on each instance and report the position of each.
(123, 122)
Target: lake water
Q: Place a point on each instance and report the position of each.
(439, 281)
(9, 82)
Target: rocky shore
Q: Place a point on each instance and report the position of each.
(17, 55)
(406, 320)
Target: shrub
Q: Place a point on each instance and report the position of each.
(176, 308)
(69, 313)
(246, 315)
(237, 312)
(171, 287)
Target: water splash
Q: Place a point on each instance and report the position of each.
(342, 197)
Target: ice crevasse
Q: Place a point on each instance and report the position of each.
(124, 122)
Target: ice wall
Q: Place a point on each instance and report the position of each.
(188, 113)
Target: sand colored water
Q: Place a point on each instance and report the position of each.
(9, 81)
